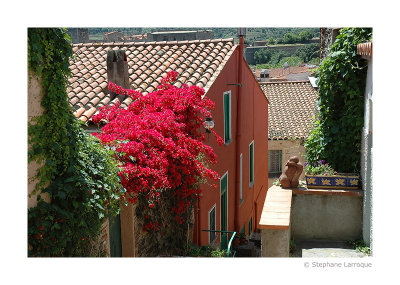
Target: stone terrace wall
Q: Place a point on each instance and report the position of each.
(326, 217)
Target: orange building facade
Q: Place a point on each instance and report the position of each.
(236, 203)
(240, 117)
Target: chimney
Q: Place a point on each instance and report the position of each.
(117, 71)
(264, 75)
(241, 34)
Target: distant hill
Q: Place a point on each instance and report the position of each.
(252, 34)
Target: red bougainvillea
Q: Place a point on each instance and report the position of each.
(158, 140)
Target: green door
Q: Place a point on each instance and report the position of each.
(115, 237)
(224, 211)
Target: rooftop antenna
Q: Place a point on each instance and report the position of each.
(285, 65)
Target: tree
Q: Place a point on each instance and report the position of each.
(271, 41)
(290, 38)
(158, 142)
(305, 36)
(308, 52)
(262, 55)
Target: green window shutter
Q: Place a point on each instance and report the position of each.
(251, 161)
(227, 116)
(240, 179)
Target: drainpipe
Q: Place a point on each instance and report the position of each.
(241, 34)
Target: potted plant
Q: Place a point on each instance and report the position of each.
(322, 175)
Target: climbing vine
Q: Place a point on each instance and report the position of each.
(336, 137)
(78, 174)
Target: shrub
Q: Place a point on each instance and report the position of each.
(341, 80)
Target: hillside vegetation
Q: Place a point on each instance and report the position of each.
(274, 35)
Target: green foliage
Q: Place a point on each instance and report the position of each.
(290, 38)
(206, 251)
(277, 56)
(291, 61)
(360, 246)
(319, 168)
(305, 36)
(77, 173)
(315, 144)
(277, 182)
(341, 80)
(292, 246)
(271, 41)
(308, 52)
(262, 55)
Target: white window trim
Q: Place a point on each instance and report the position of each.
(230, 116)
(251, 183)
(209, 225)
(241, 179)
(227, 201)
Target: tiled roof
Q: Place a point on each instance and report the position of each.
(280, 72)
(197, 62)
(291, 109)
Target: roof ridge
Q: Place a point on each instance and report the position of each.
(153, 42)
(285, 82)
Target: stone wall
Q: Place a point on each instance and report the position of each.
(79, 35)
(327, 38)
(326, 217)
(180, 35)
(289, 148)
(275, 243)
(34, 109)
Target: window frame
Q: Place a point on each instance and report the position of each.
(227, 200)
(251, 164)
(227, 124)
(250, 225)
(214, 207)
(277, 173)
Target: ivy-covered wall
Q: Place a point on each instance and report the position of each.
(78, 175)
(336, 137)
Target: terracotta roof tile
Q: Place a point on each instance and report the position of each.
(291, 109)
(197, 62)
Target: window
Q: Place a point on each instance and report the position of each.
(224, 210)
(227, 117)
(251, 163)
(274, 163)
(243, 231)
(240, 178)
(251, 225)
(211, 224)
